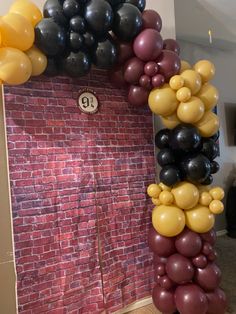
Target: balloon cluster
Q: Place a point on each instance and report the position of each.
(19, 58)
(187, 277)
(185, 154)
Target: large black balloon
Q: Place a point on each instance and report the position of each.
(76, 64)
(170, 175)
(196, 168)
(105, 55)
(165, 157)
(140, 4)
(99, 16)
(162, 138)
(75, 41)
(53, 8)
(77, 24)
(127, 22)
(52, 68)
(186, 138)
(71, 8)
(50, 37)
(210, 149)
(215, 167)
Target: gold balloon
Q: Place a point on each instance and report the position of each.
(176, 82)
(205, 199)
(217, 193)
(156, 201)
(170, 122)
(169, 221)
(191, 111)
(166, 198)
(192, 80)
(27, 9)
(183, 94)
(162, 101)
(17, 32)
(153, 190)
(38, 60)
(199, 219)
(164, 187)
(206, 69)
(15, 66)
(209, 96)
(209, 124)
(216, 207)
(184, 66)
(186, 195)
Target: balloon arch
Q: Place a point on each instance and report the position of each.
(122, 37)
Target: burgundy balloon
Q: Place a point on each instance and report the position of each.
(217, 302)
(151, 19)
(158, 80)
(169, 64)
(191, 299)
(162, 246)
(138, 96)
(133, 70)
(209, 277)
(179, 269)
(209, 236)
(116, 77)
(171, 44)
(212, 256)
(148, 45)
(157, 279)
(160, 269)
(145, 82)
(207, 249)
(151, 68)
(159, 260)
(163, 299)
(188, 243)
(200, 261)
(166, 283)
(125, 52)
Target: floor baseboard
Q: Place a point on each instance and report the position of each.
(136, 305)
(221, 233)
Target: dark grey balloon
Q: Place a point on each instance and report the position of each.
(140, 4)
(71, 8)
(105, 55)
(76, 64)
(53, 8)
(77, 24)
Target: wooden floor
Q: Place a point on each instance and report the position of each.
(149, 309)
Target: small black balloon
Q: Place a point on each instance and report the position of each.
(105, 55)
(53, 8)
(140, 4)
(127, 22)
(185, 137)
(208, 180)
(71, 8)
(215, 137)
(170, 175)
(89, 40)
(162, 138)
(215, 167)
(165, 157)
(114, 3)
(76, 64)
(75, 41)
(52, 68)
(77, 24)
(210, 149)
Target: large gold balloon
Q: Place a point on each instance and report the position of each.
(17, 32)
(184, 66)
(38, 60)
(186, 195)
(191, 111)
(162, 101)
(192, 80)
(153, 190)
(27, 9)
(199, 219)
(209, 96)
(206, 69)
(209, 124)
(170, 122)
(15, 66)
(168, 220)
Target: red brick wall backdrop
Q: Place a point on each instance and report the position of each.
(79, 196)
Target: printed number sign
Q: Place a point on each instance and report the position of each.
(88, 102)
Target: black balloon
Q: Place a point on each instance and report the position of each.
(162, 139)
(77, 24)
(71, 8)
(105, 55)
(127, 22)
(52, 68)
(140, 4)
(75, 41)
(216, 136)
(210, 149)
(99, 16)
(114, 3)
(165, 157)
(50, 37)
(53, 8)
(89, 40)
(208, 180)
(215, 167)
(76, 64)
(170, 175)
(186, 138)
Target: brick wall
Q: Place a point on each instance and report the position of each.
(78, 193)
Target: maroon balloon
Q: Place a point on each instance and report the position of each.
(158, 80)
(151, 68)
(217, 302)
(138, 96)
(200, 261)
(159, 260)
(209, 277)
(151, 19)
(169, 64)
(163, 300)
(188, 243)
(145, 82)
(162, 246)
(209, 236)
(116, 77)
(207, 248)
(160, 270)
(148, 45)
(125, 52)
(133, 70)
(179, 269)
(212, 256)
(166, 283)
(191, 299)
(171, 44)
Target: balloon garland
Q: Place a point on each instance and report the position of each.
(122, 37)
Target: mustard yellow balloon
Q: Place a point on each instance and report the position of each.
(206, 69)
(166, 198)
(164, 187)
(184, 66)
(191, 111)
(192, 80)
(217, 193)
(186, 195)
(176, 82)
(156, 201)
(27, 9)
(209, 95)
(209, 124)
(162, 101)
(15, 66)
(199, 219)
(205, 199)
(169, 221)
(153, 190)
(171, 121)
(38, 60)
(183, 94)
(216, 207)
